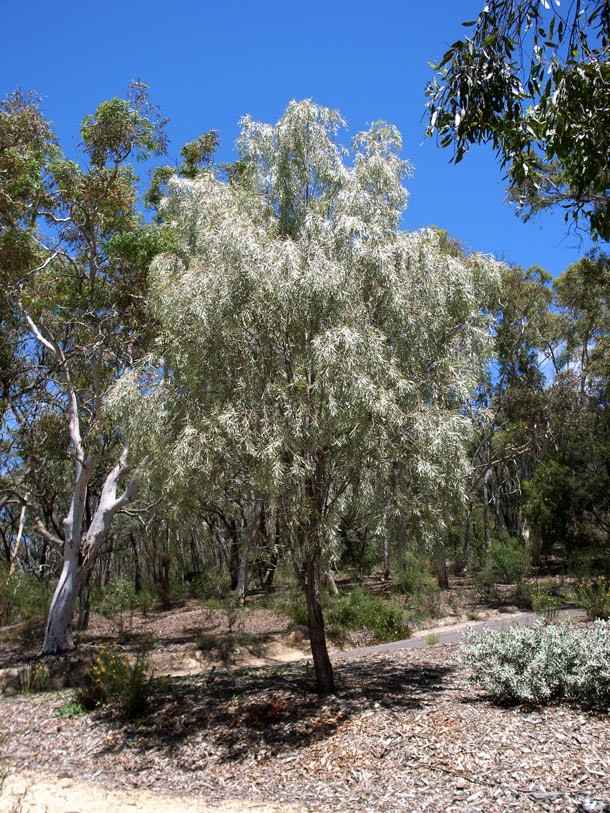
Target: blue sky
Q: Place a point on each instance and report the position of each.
(208, 63)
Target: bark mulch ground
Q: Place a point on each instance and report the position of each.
(406, 733)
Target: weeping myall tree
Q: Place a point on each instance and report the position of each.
(308, 345)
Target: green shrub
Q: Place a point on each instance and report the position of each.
(233, 609)
(207, 643)
(178, 590)
(428, 604)
(359, 610)
(34, 678)
(297, 610)
(523, 595)
(353, 611)
(360, 554)
(507, 560)
(413, 575)
(543, 664)
(23, 597)
(210, 585)
(485, 586)
(594, 597)
(144, 601)
(291, 604)
(118, 603)
(545, 603)
(71, 708)
(113, 680)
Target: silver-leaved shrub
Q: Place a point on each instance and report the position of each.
(543, 664)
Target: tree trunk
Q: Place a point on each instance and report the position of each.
(486, 514)
(58, 633)
(241, 588)
(329, 578)
(164, 581)
(15, 553)
(84, 602)
(269, 573)
(80, 552)
(386, 557)
(442, 574)
(233, 555)
(461, 563)
(325, 681)
(137, 568)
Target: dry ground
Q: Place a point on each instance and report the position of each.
(406, 733)
(174, 639)
(259, 636)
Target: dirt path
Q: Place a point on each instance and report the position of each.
(454, 633)
(37, 793)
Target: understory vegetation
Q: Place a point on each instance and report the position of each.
(357, 610)
(543, 664)
(114, 681)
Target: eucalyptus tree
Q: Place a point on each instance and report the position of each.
(307, 346)
(74, 254)
(568, 500)
(532, 79)
(540, 455)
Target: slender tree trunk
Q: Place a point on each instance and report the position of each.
(196, 566)
(241, 588)
(165, 589)
(269, 574)
(84, 602)
(325, 680)
(233, 555)
(15, 552)
(137, 568)
(58, 634)
(442, 574)
(248, 529)
(486, 514)
(386, 557)
(463, 563)
(329, 579)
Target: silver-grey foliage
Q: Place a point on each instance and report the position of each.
(313, 354)
(543, 664)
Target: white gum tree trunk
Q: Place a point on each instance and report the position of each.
(80, 551)
(15, 551)
(80, 547)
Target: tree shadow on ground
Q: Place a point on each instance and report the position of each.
(229, 647)
(273, 710)
(20, 643)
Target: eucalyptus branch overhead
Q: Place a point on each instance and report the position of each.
(532, 80)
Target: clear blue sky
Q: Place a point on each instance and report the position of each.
(208, 63)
